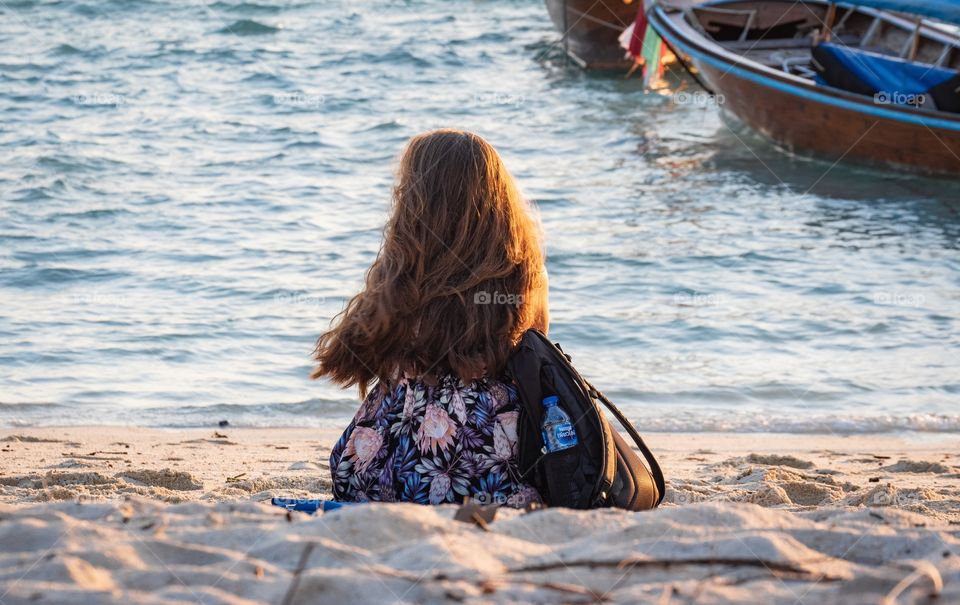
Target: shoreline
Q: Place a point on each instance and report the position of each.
(907, 435)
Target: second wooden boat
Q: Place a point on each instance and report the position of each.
(590, 29)
(841, 81)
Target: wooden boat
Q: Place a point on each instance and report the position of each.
(590, 29)
(771, 64)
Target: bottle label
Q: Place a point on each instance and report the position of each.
(564, 436)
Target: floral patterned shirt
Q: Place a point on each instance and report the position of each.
(431, 444)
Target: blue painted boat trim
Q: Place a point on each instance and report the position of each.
(944, 10)
(814, 96)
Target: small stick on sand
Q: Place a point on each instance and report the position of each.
(479, 521)
(301, 565)
(773, 567)
(922, 569)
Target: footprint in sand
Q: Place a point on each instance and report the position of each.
(918, 466)
(801, 493)
(166, 478)
(304, 466)
(776, 460)
(29, 439)
(71, 463)
(53, 479)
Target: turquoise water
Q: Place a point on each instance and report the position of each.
(189, 191)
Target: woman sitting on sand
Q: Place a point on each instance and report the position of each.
(459, 278)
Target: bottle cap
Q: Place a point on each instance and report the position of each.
(551, 401)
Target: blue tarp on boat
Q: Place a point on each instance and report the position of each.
(884, 74)
(944, 10)
(889, 80)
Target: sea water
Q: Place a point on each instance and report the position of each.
(190, 191)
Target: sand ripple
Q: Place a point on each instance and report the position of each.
(239, 553)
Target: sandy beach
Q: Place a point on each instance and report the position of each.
(107, 514)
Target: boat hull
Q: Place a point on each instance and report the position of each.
(591, 30)
(815, 120)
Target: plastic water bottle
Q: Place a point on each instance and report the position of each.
(562, 457)
(558, 431)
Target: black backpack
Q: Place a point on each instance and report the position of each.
(601, 470)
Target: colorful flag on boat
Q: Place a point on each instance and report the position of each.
(652, 53)
(635, 48)
(644, 45)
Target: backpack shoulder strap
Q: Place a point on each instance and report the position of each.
(628, 426)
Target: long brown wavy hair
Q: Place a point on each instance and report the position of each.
(457, 278)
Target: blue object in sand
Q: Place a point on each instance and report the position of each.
(307, 506)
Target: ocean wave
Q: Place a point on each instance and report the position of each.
(248, 27)
(335, 413)
(740, 422)
(325, 413)
(66, 49)
(36, 278)
(248, 7)
(8, 407)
